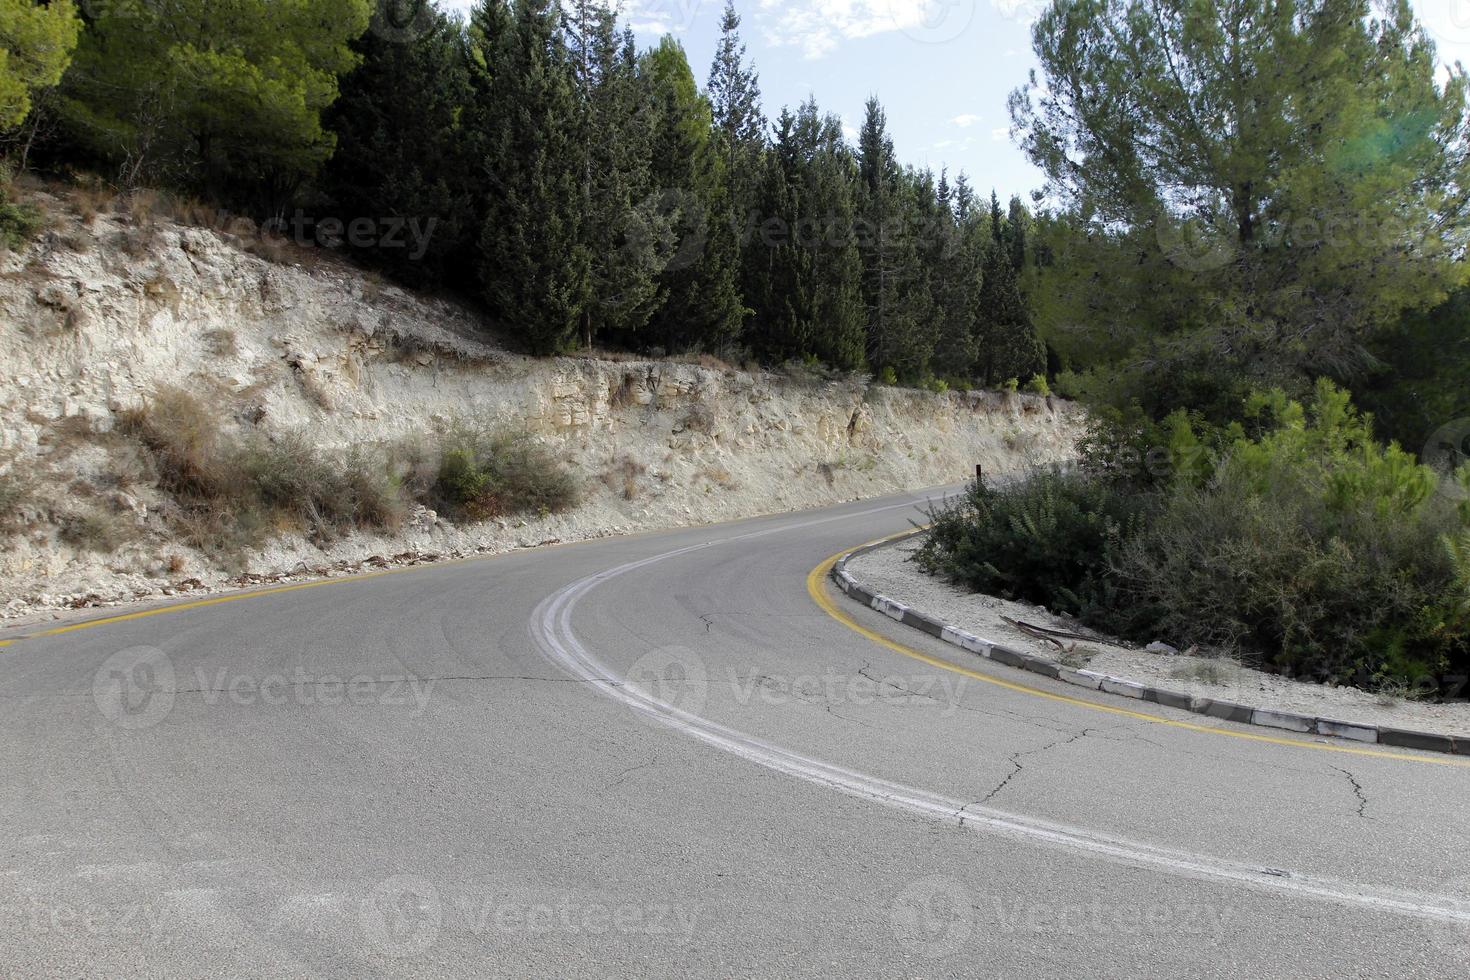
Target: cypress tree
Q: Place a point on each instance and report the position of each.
(535, 270)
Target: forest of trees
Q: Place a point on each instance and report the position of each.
(593, 194)
(1250, 210)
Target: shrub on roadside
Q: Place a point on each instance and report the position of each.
(1325, 553)
(1330, 554)
(1049, 539)
(487, 474)
(233, 492)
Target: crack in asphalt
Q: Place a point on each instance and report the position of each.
(1357, 791)
(1018, 767)
(622, 777)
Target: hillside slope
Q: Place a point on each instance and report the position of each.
(98, 313)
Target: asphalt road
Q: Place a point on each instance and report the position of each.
(660, 756)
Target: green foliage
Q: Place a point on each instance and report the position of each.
(36, 45)
(224, 97)
(888, 376)
(1309, 544)
(1011, 385)
(802, 269)
(18, 222)
(1049, 539)
(1419, 382)
(494, 474)
(535, 267)
(1038, 386)
(698, 273)
(403, 151)
(1252, 191)
(1316, 544)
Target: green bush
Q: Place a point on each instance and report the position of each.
(18, 222)
(1049, 539)
(1331, 555)
(488, 474)
(1038, 386)
(1309, 545)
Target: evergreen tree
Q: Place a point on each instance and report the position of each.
(702, 306)
(36, 44)
(226, 98)
(740, 137)
(535, 270)
(956, 271)
(622, 220)
(401, 151)
(1008, 345)
(805, 270)
(901, 333)
(1235, 155)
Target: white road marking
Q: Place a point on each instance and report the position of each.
(552, 630)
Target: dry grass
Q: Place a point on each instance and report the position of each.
(90, 197)
(623, 476)
(718, 475)
(94, 529)
(230, 493)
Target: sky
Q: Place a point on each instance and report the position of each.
(943, 69)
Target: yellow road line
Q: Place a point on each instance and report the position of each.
(258, 594)
(816, 587)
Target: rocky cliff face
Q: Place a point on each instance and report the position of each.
(97, 314)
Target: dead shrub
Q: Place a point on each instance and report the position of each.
(623, 476)
(232, 492)
(90, 197)
(97, 530)
(15, 493)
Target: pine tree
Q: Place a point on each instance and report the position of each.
(956, 283)
(901, 331)
(210, 95)
(740, 138)
(535, 270)
(734, 90)
(621, 220)
(36, 44)
(401, 151)
(1008, 345)
(701, 305)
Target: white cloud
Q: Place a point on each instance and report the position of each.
(659, 17)
(818, 26)
(965, 121)
(1000, 134)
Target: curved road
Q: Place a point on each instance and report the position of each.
(665, 756)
